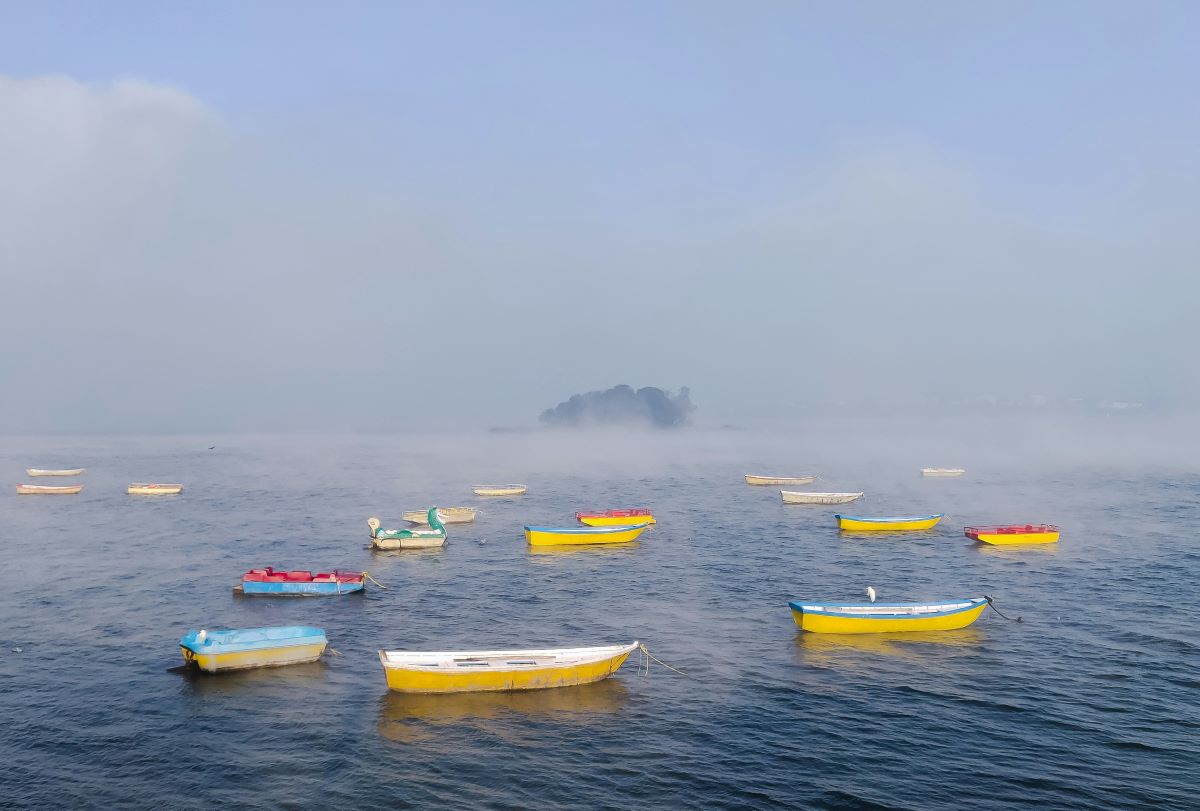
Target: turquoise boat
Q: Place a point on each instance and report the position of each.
(244, 648)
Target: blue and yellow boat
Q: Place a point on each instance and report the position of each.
(873, 618)
(569, 536)
(243, 648)
(900, 523)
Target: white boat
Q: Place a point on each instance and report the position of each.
(942, 472)
(500, 489)
(449, 515)
(148, 489)
(759, 480)
(795, 497)
(47, 490)
(37, 471)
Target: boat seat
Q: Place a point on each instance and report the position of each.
(303, 577)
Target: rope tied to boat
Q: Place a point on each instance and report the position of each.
(997, 610)
(373, 580)
(333, 652)
(647, 655)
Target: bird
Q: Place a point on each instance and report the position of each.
(210, 447)
(871, 593)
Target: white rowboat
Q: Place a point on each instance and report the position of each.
(36, 471)
(147, 489)
(500, 489)
(45, 490)
(942, 472)
(449, 515)
(758, 480)
(793, 497)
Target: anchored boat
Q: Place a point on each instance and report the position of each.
(872, 618)
(799, 497)
(474, 671)
(268, 582)
(146, 489)
(1014, 534)
(37, 471)
(616, 518)
(942, 472)
(243, 648)
(388, 539)
(449, 515)
(500, 489)
(759, 480)
(47, 490)
(563, 536)
(903, 523)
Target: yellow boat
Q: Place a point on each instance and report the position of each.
(761, 480)
(872, 618)
(564, 536)
(500, 489)
(34, 471)
(478, 671)
(906, 523)
(244, 648)
(145, 489)
(1014, 534)
(616, 518)
(48, 490)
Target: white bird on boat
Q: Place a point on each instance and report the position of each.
(871, 593)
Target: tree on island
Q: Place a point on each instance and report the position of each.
(621, 404)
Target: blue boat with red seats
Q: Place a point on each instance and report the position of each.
(271, 583)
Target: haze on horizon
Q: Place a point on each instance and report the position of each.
(269, 216)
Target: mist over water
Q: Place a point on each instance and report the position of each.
(1001, 714)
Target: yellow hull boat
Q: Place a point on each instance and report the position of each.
(874, 618)
(761, 480)
(1013, 535)
(47, 490)
(894, 524)
(564, 536)
(616, 518)
(479, 671)
(500, 489)
(34, 471)
(143, 489)
(242, 649)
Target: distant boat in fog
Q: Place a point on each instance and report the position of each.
(759, 480)
(794, 497)
(147, 489)
(500, 489)
(35, 471)
(45, 490)
(449, 515)
(942, 472)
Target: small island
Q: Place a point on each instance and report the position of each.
(623, 405)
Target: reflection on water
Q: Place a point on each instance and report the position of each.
(840, 649)
(277, 680)
(1018, 550)
(586, 549)
(414, 717)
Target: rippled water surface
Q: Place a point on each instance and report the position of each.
(1090, 702)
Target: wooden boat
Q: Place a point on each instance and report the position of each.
(759, 480)
(942, 472)
(47, 490)
(902, 523)
(874, 618)
(242, 648)
(389, 539)
(569, 536)
(35, 471)
(500, 489)
(616, 518)
(449, 515)
(798, 497)
(146, 489)
(268, 582)
(476, 671)
(1014, 534)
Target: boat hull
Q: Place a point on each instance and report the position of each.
(261, 657)
(551, 536)
(821, 622)
(616, 521)
(790, 497)
(449, 515)
(1015, 539)
(423, 680)
(500, 490)
(765, 480)
(33, 471)
(298, 589)
(391, 544)
(47, 490)
(154, 489)
(910, 524)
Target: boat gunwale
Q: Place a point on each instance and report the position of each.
(822, 609)
(898, 519)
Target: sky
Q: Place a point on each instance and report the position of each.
(390, 216)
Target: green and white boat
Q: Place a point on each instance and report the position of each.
(388, 539)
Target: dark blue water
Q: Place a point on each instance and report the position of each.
(1092, 701)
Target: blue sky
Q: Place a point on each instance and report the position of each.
(847, 177)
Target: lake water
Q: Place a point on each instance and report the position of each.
(1092, 701)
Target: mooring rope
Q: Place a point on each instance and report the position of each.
(332, 651)
(646, 652)
(373, 580)
(997, 610)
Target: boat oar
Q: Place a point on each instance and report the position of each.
(645, 652)
(373, 580)
(997, 610)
